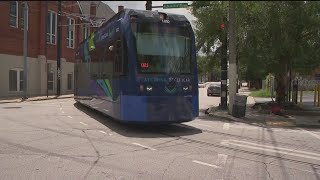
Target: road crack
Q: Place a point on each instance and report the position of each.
(167, 168)
(97, 155)
(266, 168)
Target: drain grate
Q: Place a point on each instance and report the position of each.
(11, 107)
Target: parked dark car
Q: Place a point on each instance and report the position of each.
(214, 90)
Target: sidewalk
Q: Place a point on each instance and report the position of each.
(37, 98)
(254, 117)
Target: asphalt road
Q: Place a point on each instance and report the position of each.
(60, 139)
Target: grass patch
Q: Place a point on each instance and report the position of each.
(261, 93)
(308, 92)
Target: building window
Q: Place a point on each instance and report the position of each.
(51, 27)
(50, 81)
(14, 14)
(70, 80)
(70, 33)
(22, 17)
(15, 80)
(86, 31)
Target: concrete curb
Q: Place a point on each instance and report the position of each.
(28, 100)
(266, 124)
(302, 113)
(310, 126)
(227, 117)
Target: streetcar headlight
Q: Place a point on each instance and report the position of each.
(141, 88)
(149, 88)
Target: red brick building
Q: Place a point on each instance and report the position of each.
(42, 44)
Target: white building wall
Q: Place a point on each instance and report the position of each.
(37, 75)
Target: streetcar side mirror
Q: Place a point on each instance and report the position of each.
(111, 48)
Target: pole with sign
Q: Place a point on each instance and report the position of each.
(25, 49)
(59, 51)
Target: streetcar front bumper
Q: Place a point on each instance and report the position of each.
(158, 109)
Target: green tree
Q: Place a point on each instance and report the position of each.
(207, 65)
(272, 36)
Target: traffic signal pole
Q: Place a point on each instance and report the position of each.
(224, 70)
(149, 5)
(224, 66)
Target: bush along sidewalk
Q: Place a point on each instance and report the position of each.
(261, 93)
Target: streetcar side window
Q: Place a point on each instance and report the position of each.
(95, 64)
(118, 60)
(107, 62)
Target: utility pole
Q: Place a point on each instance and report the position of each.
(232, 58)
(45, 37)
(149, 5)
(224, 66)
(25, 48)
(59, 50)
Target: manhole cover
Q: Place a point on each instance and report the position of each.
(11, 107)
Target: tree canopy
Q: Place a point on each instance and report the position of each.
(272, 36)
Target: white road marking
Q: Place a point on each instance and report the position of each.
(62, 112)
(311, 133)
(206, 164)
(225, 142)
(70, 117)
(144, 146)
(201, 125)
(103, 132)
(245, 127)
(106, 110)
(61, 109)
(226, 126)
(110, 134)
(95, 107)
(222, 159)
(84, 123)
(275, 150)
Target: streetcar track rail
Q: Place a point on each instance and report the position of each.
(243, 151)
(247, 138)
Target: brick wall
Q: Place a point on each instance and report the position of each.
(12, 38)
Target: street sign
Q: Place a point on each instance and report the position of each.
(175, 5)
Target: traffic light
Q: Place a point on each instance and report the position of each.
(149, 5)
(222, 26)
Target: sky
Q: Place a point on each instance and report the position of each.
(141, 5)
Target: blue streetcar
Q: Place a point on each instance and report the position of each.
(140, 67)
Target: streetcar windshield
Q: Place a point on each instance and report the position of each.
(163, 48)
